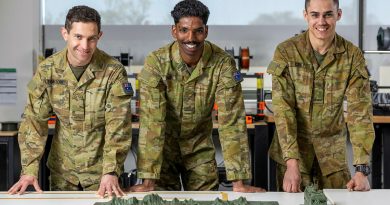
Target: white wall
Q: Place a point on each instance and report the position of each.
(19, 40)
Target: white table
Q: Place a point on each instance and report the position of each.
(335, 197)
(344, 197)
(89, 198)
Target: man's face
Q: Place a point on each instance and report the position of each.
(321, 16)
(81, 42)
(190, 33)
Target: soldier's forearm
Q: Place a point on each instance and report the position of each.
(292, 163)
(148, 182)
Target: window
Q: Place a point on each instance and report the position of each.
(377, 12)
(223, 12)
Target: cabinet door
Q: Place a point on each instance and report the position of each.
(3, 166)
(9, 162)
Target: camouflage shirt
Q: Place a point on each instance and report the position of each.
(93, 128)
(175, 103)
(308, 100)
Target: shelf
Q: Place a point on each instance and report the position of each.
(376, 52)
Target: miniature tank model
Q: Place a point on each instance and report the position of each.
(313, 196)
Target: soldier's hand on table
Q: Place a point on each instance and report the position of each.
(109, 184)
(21, 186)
(292, 177)
(359, 182)
(147, 185)
(239, 186)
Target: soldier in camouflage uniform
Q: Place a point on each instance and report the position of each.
(312, 74)
(179, 84)
(89, 93)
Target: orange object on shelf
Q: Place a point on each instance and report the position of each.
(51, 123)
(248, 119)
(52, 120)
(262, 105)
(244, 55)
(215, 106)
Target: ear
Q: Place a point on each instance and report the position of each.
(339, 14)
(305, 15)
(100, 34)
(174, 31)
(64, 33)
(206, 31)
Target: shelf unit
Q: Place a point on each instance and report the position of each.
(376, 52)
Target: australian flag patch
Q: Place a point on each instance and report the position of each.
(237, 76)
(127, 88)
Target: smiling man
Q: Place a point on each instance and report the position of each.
(180, 83)
(89, 93)
(312, 74)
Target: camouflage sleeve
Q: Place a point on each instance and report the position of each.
(359, 111)
(118, 124)
(283, 103)
(33, 130)
(152, 120)
(231, 120)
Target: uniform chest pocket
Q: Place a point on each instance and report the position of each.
(302, 76)
(173, 86)
(335, 87)
(95, 101)
(203, 99)
(59, 95)
(151, 90)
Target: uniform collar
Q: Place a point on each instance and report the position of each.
(339, 47)
(336, 47)
(96, 63)
(204, 59)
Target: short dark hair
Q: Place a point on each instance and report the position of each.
(307, 2)
(83, 14)
(188, 8)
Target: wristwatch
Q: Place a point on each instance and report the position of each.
(365, 169)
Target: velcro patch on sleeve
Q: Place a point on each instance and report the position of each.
(237, 76)
(127, 88)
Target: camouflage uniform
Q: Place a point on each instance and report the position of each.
(93, 129)
(176, 124)
(308, 100)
